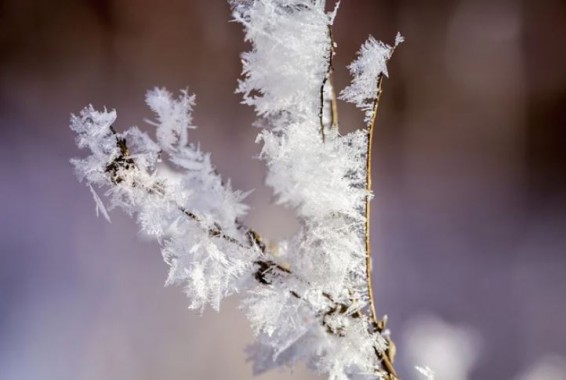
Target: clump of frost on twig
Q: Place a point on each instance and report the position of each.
(177, 210)
(367, 71)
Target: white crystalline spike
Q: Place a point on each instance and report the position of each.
(174, 117)
(399, 39)
(366, 70)
(100, 208)
(427, 373)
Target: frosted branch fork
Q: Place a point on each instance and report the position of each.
(123, 166)
(308, 297)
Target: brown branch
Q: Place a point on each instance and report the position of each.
(371, 128)
(386, 357)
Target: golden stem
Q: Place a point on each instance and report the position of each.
(371, 128)
(379, 325)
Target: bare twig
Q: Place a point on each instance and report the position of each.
(386, 357)
(371, 128)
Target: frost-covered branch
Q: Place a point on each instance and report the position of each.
(140, 190)
(309, 296)
(368, 71)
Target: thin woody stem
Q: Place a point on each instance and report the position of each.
(371, 128)
(386, 357)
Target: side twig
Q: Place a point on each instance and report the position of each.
(387, 357)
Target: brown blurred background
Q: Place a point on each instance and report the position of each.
(470, 181)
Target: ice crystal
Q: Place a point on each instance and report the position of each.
(367, 71)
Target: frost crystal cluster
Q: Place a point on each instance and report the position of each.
(308, 297)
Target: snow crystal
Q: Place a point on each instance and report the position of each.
(367, 70)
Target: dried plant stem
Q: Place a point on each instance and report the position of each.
(370, 130)
(386, 358)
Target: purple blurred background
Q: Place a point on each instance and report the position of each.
(469, 221)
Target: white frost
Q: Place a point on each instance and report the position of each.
(366, 70)
(284, 70)
(308, 302)
(427, 373)
(100, 208)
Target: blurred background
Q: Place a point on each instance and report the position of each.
(469, 221)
